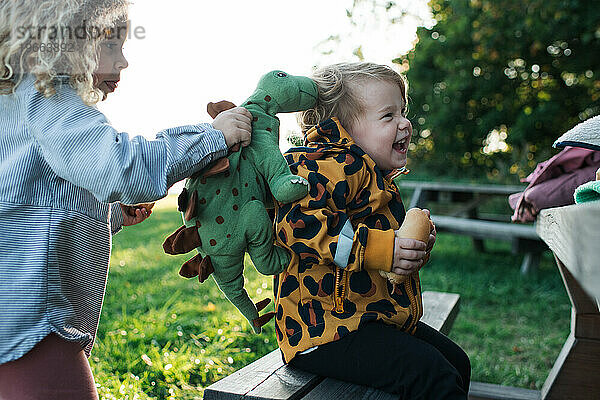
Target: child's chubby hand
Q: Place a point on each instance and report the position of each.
(411, 254)
(236, 125)
(135, 214)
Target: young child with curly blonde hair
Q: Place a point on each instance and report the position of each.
(65, 174)
(336, 315)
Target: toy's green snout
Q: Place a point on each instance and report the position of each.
(291, 93)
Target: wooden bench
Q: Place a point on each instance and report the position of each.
(269, 379)
(465, 218)
(524, 238)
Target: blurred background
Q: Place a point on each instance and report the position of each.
(492, 84)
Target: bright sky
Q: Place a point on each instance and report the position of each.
(200, 51)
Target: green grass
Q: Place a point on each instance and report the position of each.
(165, 337)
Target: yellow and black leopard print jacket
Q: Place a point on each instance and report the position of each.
(316, 301)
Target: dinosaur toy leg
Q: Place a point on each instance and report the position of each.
(255, 222)
(234, 290)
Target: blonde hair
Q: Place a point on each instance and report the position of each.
(337, 98)
(18, 19)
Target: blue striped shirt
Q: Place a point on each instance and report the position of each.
(63, 169)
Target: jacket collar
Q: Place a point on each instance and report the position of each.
(331, 133)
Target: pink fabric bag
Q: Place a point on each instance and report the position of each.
(554, 181)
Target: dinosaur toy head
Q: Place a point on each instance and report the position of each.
(285, 93)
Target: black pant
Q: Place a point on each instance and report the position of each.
(427, 365)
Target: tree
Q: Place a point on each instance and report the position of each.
(494, 83)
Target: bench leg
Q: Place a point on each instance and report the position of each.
(530, 261)
(418, 198)
(478, 245)
(575, 372)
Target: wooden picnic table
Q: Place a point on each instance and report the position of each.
(573, 234)
(469, 194)
(461, 213)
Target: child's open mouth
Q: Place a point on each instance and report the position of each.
(112, 85)
(401, 146)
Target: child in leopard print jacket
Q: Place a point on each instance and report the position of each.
(336, 315)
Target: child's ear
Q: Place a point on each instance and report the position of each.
(214, 109)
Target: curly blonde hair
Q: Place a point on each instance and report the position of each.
(21, 20)
(337, 98)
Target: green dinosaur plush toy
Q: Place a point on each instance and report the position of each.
(224, 208)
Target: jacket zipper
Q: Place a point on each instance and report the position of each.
(413, 307)
(341, 286)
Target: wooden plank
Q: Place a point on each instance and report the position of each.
(582, 302)
(334, 389)
(572, 234)
(269, 373)
(468, 209)
(461, 187)
(575, 374)
(484, 229)
(494, 217)
(440, 310)
(285, 383)
(489, 391)
(585, 326)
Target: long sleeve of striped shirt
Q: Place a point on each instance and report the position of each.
(116, 218)
(81, 147)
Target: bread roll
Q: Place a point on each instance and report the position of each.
(416, 225)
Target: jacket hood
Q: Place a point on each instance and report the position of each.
(329, 132)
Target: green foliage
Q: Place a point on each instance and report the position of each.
(525, 70)
(165, 337)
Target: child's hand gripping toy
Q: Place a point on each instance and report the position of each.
(130, 210)
(224, 207)
(416, 225)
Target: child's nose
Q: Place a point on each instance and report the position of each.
(121, 64)
(404, 124)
